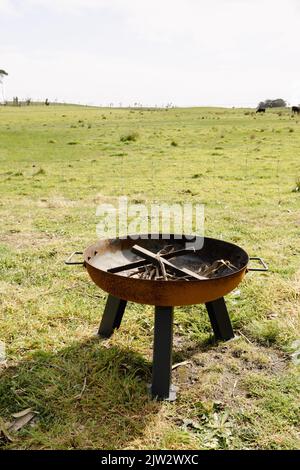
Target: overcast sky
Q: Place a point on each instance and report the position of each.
(188, 52)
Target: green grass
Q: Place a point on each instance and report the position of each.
(56, 165)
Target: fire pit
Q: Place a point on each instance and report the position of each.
(166, 271)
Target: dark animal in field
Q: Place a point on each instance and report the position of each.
(261, 110)
(296, 109)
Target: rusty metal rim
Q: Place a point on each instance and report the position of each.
(175, 282)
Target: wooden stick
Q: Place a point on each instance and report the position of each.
(137, 264)
(156, 259)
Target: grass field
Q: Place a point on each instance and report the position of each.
(57, 164)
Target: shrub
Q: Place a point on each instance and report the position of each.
(197, 175)
(130, 137)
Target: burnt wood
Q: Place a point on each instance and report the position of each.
(137, 264)
(143, 252)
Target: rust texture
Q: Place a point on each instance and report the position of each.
(108, 254)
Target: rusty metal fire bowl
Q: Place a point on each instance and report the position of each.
(114, 264)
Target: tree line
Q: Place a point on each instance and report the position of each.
(278, 103)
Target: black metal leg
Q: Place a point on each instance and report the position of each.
(112, 316)
(162, 354)
(219, 319)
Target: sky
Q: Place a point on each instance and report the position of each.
(153, 52)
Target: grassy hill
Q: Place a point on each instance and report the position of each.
(57, 164)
